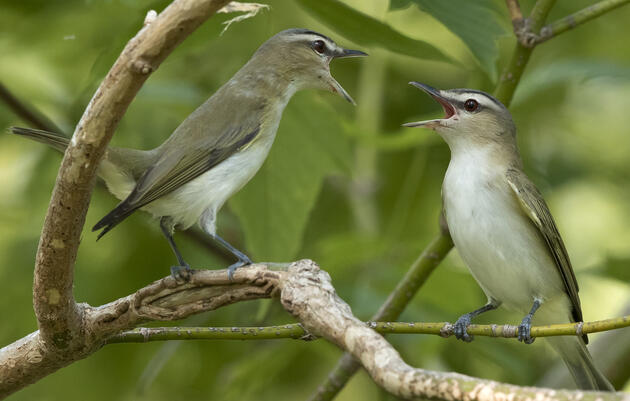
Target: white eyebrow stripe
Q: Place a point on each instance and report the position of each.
(481, 98)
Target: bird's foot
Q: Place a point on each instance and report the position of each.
(460, 326)
(183, 272)
(244, 261)
(524, 330)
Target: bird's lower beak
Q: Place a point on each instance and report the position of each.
(449, 109)
(336, 86)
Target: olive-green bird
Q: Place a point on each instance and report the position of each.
(220, 146)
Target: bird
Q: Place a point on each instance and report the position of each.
(219, 147)
(502, 227)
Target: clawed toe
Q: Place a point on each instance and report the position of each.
(181, 272)
(236, 265)
(524, 331)
(460, 329)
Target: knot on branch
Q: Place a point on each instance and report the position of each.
(308, 294)
(524, 33)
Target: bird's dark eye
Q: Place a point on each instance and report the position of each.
(471, 105)
(319, 46)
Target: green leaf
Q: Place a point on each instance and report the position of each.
(618, 268)
(399, 4)
(274, 207)
(477, 23)
(367, 31)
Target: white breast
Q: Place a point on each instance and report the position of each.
(210, 190)
(498, 243)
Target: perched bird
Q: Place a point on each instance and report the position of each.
(220, 146)
(502, 227)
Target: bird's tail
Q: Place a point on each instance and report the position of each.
(580, 363)
(52, 139)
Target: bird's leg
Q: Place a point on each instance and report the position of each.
(243, 260)
(183, 269)
(459, 328)
(525, 328)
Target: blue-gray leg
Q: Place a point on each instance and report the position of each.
(459, 328)
(243, 260)
(183, 270)
(525, 328)
(207, 223)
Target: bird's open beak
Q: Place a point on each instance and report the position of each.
(336, 86)
(449, 109)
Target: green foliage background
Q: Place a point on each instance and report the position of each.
(344, 186)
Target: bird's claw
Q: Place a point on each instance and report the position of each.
(232, 268)
(524, 330)
(181, 272)
(460, 328)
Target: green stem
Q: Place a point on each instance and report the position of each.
(512, 74)
(571, 21)
(420, 270)
(398, 300)
(296, 331)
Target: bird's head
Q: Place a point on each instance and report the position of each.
(472, 117)
(303, 57)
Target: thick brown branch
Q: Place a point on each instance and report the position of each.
(309, 295)
(62, 337)
(28, 360)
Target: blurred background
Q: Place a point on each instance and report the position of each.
(343, 185)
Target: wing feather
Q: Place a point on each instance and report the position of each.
(536, 209)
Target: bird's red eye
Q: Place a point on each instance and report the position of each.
(471, 105)
(319, 46)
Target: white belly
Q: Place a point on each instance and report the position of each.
(208, 192)
(498, 243)
(212, 189)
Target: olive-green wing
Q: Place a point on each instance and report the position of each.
(536, 209)
(178, 166)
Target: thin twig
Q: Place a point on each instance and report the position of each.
(296, 331)
(27, 113)
(571, 21)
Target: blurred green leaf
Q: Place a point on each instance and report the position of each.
(617, 268)
(476, 23)
(367, 31)
(274, 207)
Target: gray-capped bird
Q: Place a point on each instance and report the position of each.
(502, 227)
(220, 146)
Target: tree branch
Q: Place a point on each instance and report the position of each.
(308, 294)
(62, 337)
(578, 18)
(297, 331)
(26, 360)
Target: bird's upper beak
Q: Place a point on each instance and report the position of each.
(336, 86)
(436, 94)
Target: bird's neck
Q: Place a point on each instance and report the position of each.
(490, 157)
(267, 83)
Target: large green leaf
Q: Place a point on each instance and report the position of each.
(367, 31)
(274, 207)
(477, 23)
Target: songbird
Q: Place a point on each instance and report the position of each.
(220, 146)
(502, 227)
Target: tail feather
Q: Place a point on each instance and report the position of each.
(580, 363)
(52, 139)
(111, 220)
